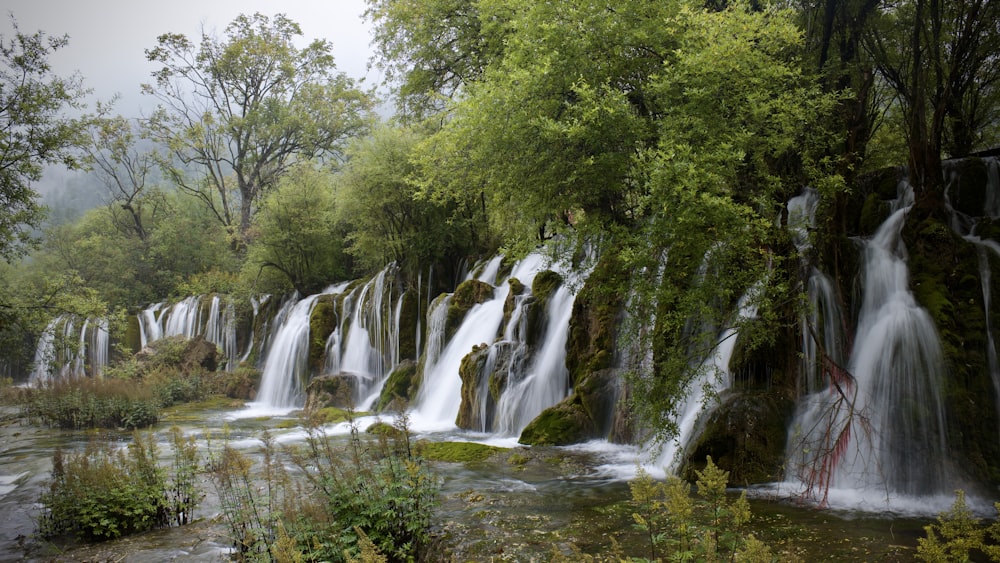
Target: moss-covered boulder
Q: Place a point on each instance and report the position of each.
(409, 320)
(746, 436)
(177, 352)
(565, 423)
(542, 288)
(945, 280)
(467, 295)
(133, 335)
(337, 391)
(456, 452)
(400, 387)
(471, 409)
(967, 190)
(241, 383)
(322, 322)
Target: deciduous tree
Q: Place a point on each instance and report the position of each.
(236, 111)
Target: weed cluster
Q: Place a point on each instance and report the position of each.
(107, 491)
(959, 536)
(370, 498)
(92, 403)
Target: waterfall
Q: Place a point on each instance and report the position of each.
(440, 394)
(65, 352)
(370, 348)
(880, 427)
(712, 378)
(547, 380)
(286, 365)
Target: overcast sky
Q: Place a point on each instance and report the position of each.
(108, 38)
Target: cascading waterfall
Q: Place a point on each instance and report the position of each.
(371, 347)
(281, 383)
(882, 427)
(440, 395)
(713, 377)
(188, 318)
(65, 352)
(546, 381)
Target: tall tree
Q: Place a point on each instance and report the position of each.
(125, 170)
(941, 60)
(34, 132)
(237, 111)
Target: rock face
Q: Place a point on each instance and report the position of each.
(400, 387)
(589, 411)
(331, 391)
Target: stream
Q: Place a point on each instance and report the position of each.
(519, 505)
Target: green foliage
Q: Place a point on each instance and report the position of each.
(455, 452)
(106, 491)
(296, 239)
(958, 535)
(366, 499)
(93, 403)
(682, 527)
(390, 221)
(32, 99)
(251, 101)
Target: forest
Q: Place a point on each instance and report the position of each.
(668, 138)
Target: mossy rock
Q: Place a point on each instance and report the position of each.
(241, 383)
(746, 436)
(967, 192)
(385, 429)
(456, 452)
(590, 345)
(409, 315)
(337, 390)
(874, 212)
(400, 387)
(322, 323)
(469, 411)
(516, 289)
(334, 415)
(945, 280)
(563, 424)
(598, 394)
(467, 295)
(542, 287)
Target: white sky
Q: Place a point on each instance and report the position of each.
(108, 38)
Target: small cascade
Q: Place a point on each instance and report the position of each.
(286, 366)
(546, 382)
(713, 377)
(370, 348)
(879, 426)
(64, 351)
(823, 338)
(189, 319)
(440, 394)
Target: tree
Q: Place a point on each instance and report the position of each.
(433, 49)
(296, 234)
(388, 220)
(941, 61)
(124, 169)
(237, 111)
(33, 130)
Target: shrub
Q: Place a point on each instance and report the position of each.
(93, 403)
(958, 535)
(105, 491)
(369, 498)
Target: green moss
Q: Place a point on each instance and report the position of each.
(408, 318)
(334, 415)
(456, 452)
(467, 295)
(746, 436)
(322, 323)
(384, 429)
(401, 385)
(133, 336)
(544, 284)
(873, 213)
(565, 423)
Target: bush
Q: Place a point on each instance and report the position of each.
(105, 492)
(93, 403)
(370, 497)
(958, 535)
